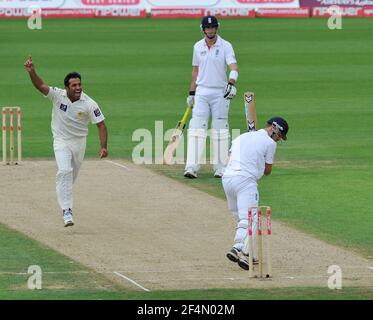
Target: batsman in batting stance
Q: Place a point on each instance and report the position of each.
(210, 92)
(71, 113)
(251, 157)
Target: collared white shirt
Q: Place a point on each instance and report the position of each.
(212, 63)
(70, 119)
(249, 154)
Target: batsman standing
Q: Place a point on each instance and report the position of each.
(71, 113)
(251, 157)
(210, 92)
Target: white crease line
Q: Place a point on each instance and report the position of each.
(130, 280)
(280, 277)
(117, 164)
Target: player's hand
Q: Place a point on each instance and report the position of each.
(190, 99)
(103, 153)
(230, 91)
(29, 65)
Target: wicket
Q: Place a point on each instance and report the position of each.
(11, 135)
(260, 242)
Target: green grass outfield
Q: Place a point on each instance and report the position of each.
(139, 72)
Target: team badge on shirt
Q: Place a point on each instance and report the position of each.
(203, 53)
(63, 107)
(217, 52)
(97, 112)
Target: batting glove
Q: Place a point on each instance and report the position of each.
(190, 99)
(230, 91)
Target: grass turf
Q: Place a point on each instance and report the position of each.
(139, 72)
(65, 279)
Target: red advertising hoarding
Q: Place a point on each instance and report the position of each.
(199, 13)
(97, 3)
(368, 12)
(283, 12)
(339, 3)
(74, 13)
(353, 12)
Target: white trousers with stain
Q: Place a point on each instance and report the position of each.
(69, 156)
(242, 193)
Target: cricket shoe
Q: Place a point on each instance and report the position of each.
(243, 261)
(219, 173)
(68, 218)
(190, 173)
(232, 254)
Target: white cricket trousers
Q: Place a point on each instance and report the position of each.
(208, 101)
(242, 193)
(69, 156)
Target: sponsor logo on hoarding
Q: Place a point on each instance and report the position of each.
(230, 12)
(79, 13)
(183, 3)
(368, 12)
(14, 12)
(108, 2)
(264, 1)
(345, 12)
(196, 12)
(283, 12)
(340, 3)
(29, 3)
(120, 12)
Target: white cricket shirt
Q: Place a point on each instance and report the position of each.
(249, 154)
(70, 119)
(212, 63)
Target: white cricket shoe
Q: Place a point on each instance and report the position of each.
(190, 173)
(68, 218)
(243, 261)
(219, 173)
(232, 254)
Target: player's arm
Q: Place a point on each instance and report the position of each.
(267, 169)
(102, 133)
(193, 87)
(233, 75)
(35, 79)
(269, 159)
(231, 61)
(230, 90)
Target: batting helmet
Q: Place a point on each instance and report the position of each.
(209, 21)
(279, 125)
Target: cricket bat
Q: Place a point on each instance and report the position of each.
(250, 111)
(175, 138)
